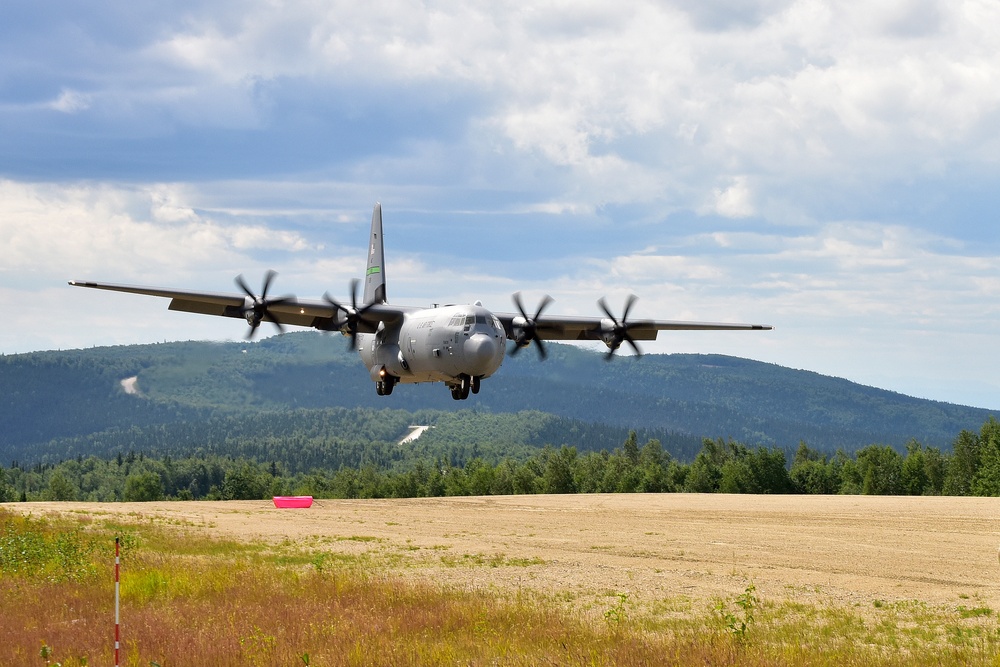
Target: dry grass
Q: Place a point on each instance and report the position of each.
(190, 599)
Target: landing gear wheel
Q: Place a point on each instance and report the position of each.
(460, 390)
(475, 385)
(385, 387)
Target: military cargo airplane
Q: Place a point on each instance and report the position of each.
(459, 345)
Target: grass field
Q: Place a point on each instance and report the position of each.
(573, 580)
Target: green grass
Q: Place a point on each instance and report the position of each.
(192, 600)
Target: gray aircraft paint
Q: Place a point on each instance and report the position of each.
(457, 345)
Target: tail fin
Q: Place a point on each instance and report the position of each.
(375, 275)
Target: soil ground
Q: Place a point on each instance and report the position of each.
(840, 550)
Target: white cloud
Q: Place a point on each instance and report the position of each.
(77, 231)
(734, 201)
(671, 97)
(71, 101)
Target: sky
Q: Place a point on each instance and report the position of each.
(826, 167)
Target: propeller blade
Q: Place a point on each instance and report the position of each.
(520, 306)
(546, 300)
(268, 279)
(635, 346)
(607, 311)
(632, 298)
(274, 320)
(243, 286)
(354, 293)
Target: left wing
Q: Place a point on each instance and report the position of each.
(595, 328)
(523, 328)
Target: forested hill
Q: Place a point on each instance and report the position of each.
(73, 402)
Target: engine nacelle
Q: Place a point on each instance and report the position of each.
(252, 311)
(610, 334)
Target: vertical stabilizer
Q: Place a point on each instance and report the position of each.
(375, 275)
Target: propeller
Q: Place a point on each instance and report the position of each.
(353, 315)
(619, 332)
(527, 332)
(258, 308)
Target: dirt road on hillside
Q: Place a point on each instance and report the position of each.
(847, 550)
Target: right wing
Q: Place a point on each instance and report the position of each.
(315, 313)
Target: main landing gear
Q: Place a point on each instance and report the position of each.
(384, 387)
(460, 390)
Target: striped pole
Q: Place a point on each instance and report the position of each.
(117, 634)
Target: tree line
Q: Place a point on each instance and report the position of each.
(721, 466)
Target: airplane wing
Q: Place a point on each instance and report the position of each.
(315, 313)
(595, 328)
(523, 328)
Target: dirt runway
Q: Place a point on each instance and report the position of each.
(846, 550)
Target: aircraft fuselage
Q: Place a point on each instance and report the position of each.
(446, 344)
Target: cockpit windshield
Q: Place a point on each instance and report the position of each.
(467, 321)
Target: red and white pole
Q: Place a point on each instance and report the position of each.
(117, 634)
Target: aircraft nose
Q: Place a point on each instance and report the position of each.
(480, 354)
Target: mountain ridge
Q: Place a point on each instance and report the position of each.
(72, 395)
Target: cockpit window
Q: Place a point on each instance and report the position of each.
(467, 321)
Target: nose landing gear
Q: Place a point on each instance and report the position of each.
(384, 387)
